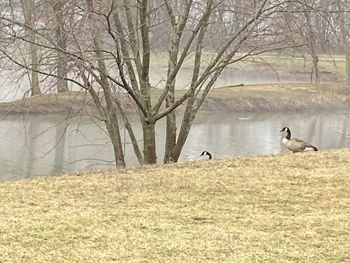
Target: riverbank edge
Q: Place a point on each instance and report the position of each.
(262, 98)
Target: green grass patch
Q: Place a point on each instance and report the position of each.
(285, 208)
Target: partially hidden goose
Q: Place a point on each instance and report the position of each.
(207, 153)
(295, 144)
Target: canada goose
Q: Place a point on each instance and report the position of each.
(207, 153)
(295, 144)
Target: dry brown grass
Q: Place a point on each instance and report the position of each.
(249, 98)
(286, 208)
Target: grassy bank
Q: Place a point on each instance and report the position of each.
(286, 208)
(250, 98)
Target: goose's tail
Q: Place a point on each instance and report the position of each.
(314, 148)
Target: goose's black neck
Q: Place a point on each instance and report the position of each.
(289, 134)
(209, 155)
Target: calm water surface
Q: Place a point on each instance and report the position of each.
(49, 145)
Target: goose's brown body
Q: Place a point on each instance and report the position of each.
(295, 144)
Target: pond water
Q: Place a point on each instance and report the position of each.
(49, 145)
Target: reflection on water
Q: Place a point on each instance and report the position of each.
(47, 145)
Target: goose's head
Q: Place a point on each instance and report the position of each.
(206, 153)
(285, 129)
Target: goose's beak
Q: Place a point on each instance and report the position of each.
(281, 130)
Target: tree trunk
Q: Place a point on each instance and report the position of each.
(28, 12)
(186, 125)
(132, 136)
(114, 134)
(190, 112)
(149, 146)
(111, 111)
(149, 140)
(170, 137)
(345, 42)
(62, 83)
(313, 52)
(176, 35)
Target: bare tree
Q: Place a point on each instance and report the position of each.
(344, 38)
(28, 7)
(61, 38)
(110, 51)
(311, 40)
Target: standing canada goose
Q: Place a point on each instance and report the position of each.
(295, 144)
(207, 153)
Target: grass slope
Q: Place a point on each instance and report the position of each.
(286, 208)
(248, 98)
